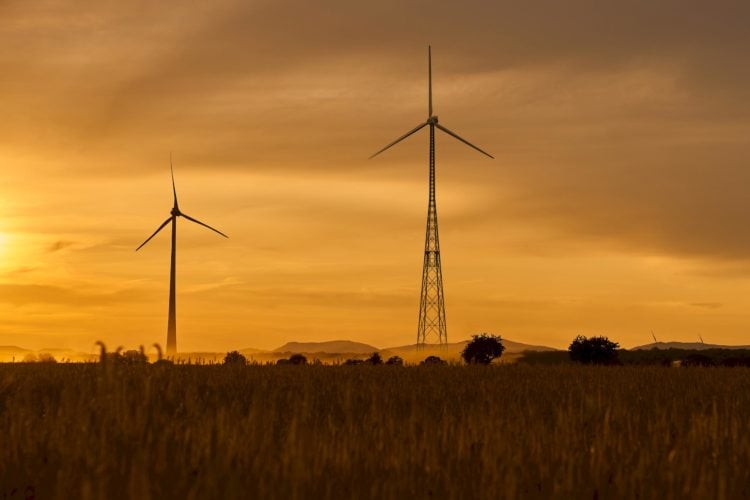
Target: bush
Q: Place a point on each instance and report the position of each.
(697, 359)
(483, 348)
(46, 357)
(353, 362)
(736, 361)
(235, 358)
(433, 360)
(375, 359)
(297, 359)
(133, 357)
(595, 350)
(395, 361)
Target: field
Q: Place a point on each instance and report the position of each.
(510, 431)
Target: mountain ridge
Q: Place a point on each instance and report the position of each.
(695, 346)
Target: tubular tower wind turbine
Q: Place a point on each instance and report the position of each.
(172, 322)
(432, 302)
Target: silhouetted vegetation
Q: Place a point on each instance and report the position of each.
(353, 362)
(652, 357)
(297, 359)
(395, 361)
(697, 359)
(374, 359)
(482, 349)
(133, 357)
(595, 350)
(46, 357)
(433, 360)
(235, 358)
(43, 357)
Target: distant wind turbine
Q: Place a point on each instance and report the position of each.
(432, 301)
(172, 323)
(654, 336)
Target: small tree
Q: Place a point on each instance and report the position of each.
(46, 357)
(235, 358)
(482, 349)
(395, 361)
(297, 359)
(595, 350)
(433, 360)
(134, 357)
(375, 359)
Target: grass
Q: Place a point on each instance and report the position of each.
(510, 431)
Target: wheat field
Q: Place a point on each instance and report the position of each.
(508, 431)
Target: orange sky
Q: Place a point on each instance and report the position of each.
(617, 203)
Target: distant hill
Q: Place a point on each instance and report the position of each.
(14, 353)
(452, 351)
(686, 345)
(330, 351)
(510, 346)
(331, 346)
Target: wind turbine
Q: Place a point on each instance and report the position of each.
(172, 323)
(432, 301)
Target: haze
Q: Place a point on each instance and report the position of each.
(617, 203)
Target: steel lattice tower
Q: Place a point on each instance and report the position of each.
(432, 301)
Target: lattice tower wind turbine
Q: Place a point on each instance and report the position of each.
(431, 322)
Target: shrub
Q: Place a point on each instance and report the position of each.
(697, 359)
(46, 357)
(395, 361)
(375, 359)
(736, 361)
(133, 357)
(483, 348)
(297, 359)
(352, 362)
(433, 360)
(595, 350)
(235, 358)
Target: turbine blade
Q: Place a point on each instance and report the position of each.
(204, 225)
(400, 139)
(462, 140)
(149, 238)
(171, 170)
(429, 69)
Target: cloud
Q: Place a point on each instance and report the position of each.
(707, 305)
(36, 294)
(619, 129)
(59, 245)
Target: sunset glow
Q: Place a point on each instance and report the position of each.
(616, 203)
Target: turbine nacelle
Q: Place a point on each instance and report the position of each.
(432, 121)
(175, 212)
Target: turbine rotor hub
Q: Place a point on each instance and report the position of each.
(433, 120)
